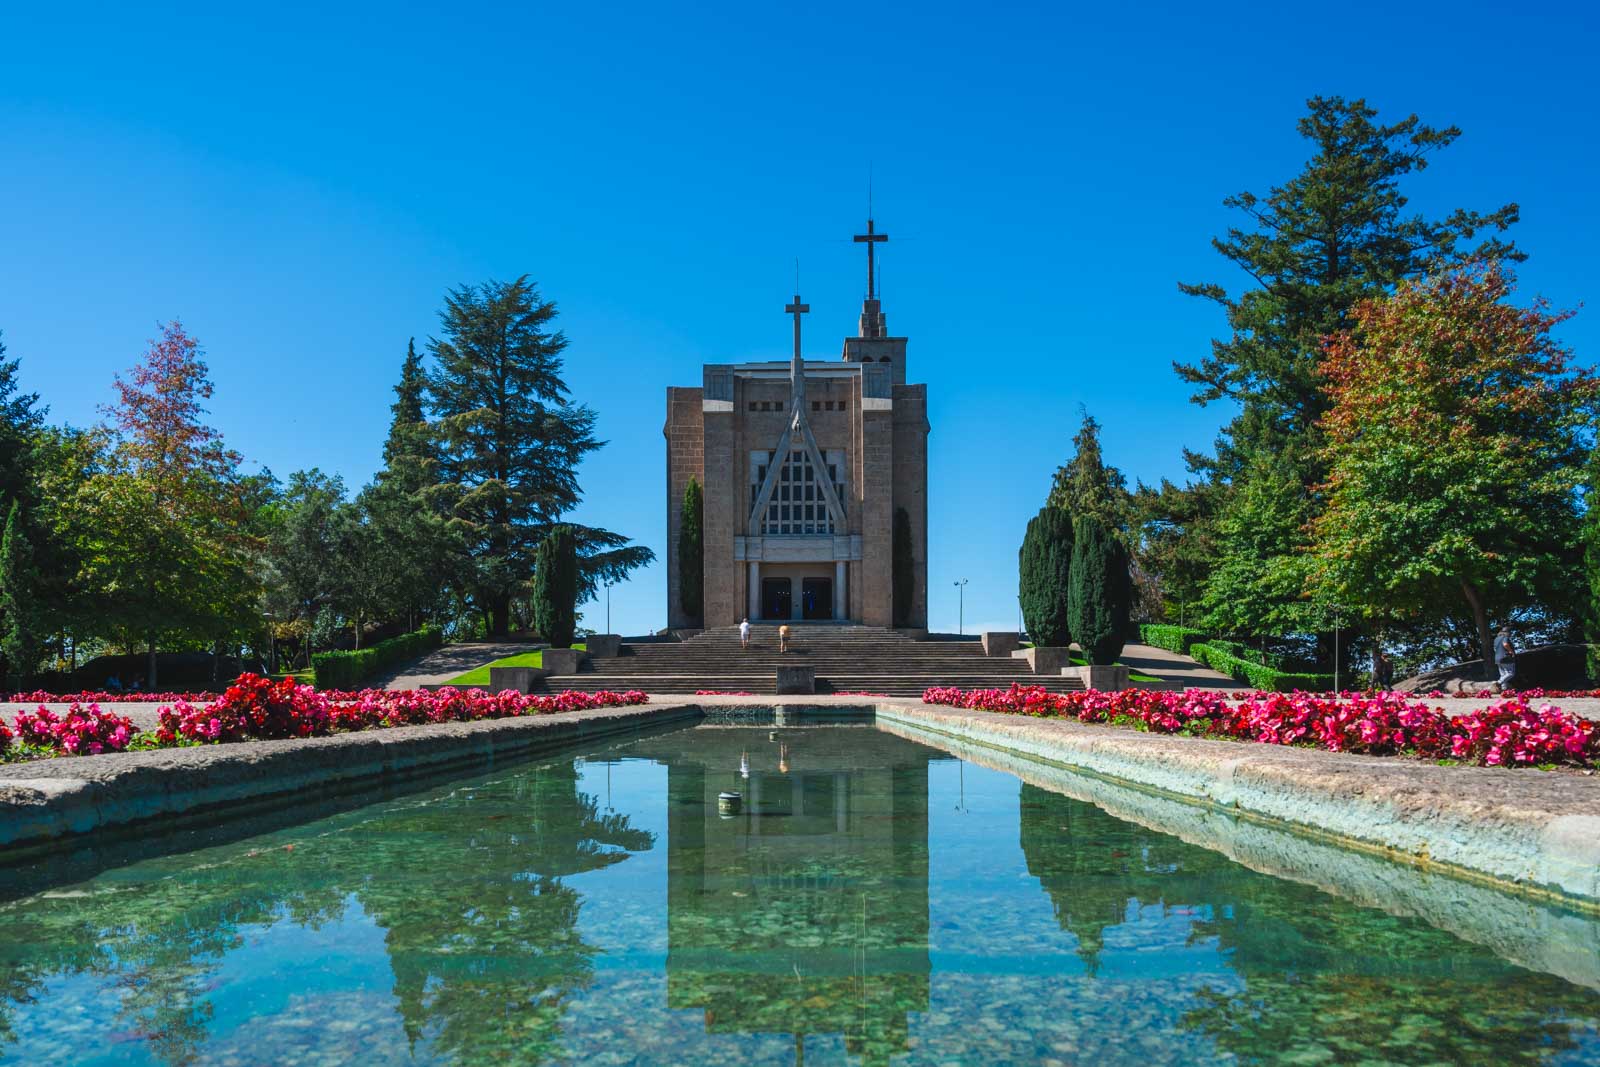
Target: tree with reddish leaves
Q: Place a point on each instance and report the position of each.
(169, 550)
(1455, 441)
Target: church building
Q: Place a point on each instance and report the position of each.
(808, 468)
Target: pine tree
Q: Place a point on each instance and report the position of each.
(1101, 597)
(555, 587)
(20, 419)
(511, 442)
(21, 631)
(904, 575)
(1044, 566)
(1086, 487)
(405, 511)
(1335, 234)
(691, 553)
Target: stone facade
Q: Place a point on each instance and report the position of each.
(803, 465)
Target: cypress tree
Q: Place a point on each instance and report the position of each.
(691, 557)
(555, 587)
(1044, 567)
(20, 639)
(1101, 592)
(903, 574)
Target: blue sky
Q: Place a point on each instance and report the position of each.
(301, 185)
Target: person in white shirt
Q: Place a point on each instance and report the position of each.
(744, 634)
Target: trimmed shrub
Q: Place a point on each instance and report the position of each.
(1044, 571)
(1100, 597)
(347, 670)
(903, 573)
(1257, 675)
(555, 587)
(1172, 638)
(691, 553)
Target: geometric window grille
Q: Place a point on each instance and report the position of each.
(799, 502)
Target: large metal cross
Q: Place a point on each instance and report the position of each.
(869, 239)
(797, 309)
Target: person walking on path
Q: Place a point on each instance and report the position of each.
(783, 638)
(1382, 671)
(744, 634)
(1505, 658)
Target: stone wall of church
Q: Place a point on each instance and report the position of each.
(911, 486)
(685, 433)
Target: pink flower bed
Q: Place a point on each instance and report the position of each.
(82, 731)
(1511, 733)
(258, 709)
(43, 696)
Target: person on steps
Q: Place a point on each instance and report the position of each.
(744, 634)
(783, 638)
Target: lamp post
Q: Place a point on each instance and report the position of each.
(608, 607)
(961, 609)
(1336, 621)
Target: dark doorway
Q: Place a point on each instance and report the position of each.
(816, 598)
(775, 597)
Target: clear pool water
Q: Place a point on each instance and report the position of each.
(874, 901)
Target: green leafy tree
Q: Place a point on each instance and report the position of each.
(1456, 441)
(304, 552)
(1337, 233)
(1044, 566)
(172, 554)
(1087, 488)
(510, 444)
(1101, 592)
(21, 620)
(904, 574)
(691, 552)
(555, 588)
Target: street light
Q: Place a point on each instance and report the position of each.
(608, 607)
(961, 610)
(1336, 610)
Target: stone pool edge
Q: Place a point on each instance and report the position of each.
(1523, 831)
(49, 800)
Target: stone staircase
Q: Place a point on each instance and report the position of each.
(845, 657)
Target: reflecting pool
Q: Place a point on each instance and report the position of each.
(872, 900)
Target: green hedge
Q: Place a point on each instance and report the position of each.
(1251, 655)
(1172, 638)
(347, 670)
(1257, 675)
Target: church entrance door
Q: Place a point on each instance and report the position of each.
(776, 594)
(816, 598)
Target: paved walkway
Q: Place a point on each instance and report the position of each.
(1173, 667)
(443, 665)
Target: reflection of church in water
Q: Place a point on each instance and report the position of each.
(805, 913)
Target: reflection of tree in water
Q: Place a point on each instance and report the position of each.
(481, 933)
(1323, 979)
(1092, 865)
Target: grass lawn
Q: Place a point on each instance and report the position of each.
(304, 677)
(1079, 660)
(480, 675)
